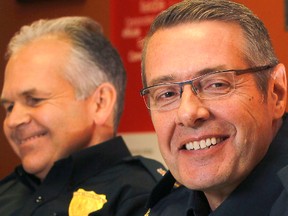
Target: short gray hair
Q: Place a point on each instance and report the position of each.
(258, 49)
(93, 59)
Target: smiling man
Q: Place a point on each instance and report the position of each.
(63, 94)
(217, 97)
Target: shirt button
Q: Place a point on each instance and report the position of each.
(39, 199)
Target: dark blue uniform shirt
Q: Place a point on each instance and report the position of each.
(106, 169)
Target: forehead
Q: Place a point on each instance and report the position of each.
(36, 65)
(181, 51)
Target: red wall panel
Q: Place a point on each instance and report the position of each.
(129, 22)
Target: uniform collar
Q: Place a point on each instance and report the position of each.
(80, 165)
(283, 175)
(91, 161)
(162, 189)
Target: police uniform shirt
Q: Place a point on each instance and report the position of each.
(280, 208)
(101, 180)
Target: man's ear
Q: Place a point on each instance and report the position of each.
(279, 88)
(104, 99)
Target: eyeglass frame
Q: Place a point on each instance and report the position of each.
(144, 91)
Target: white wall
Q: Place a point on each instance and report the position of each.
(144, 144)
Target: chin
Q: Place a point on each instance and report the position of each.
(32, 167)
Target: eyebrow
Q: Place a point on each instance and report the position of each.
(29, 92)
(4, 101)
(171, 78)
(162, 79)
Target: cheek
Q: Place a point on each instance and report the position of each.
(252, 123)
(7, 133)
(161, 123)
(55, 116)
(5, 128)
(164, 128)
(47, 113)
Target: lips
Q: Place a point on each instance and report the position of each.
(23, 137)
(203, 143)
(29, 138)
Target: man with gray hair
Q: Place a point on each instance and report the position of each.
(217, 95)
(63, 94)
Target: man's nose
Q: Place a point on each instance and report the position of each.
(19, 115)
(191, 111)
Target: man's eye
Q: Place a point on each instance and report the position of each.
(168, 94)
(217, 86)
(165, 94)
(9, 108)
(32, 101)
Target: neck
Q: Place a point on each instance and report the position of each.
(215, 199)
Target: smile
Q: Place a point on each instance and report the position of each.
(21, 141)
(202, 144)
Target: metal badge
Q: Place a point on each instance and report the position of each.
(85, 202)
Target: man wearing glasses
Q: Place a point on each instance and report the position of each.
(217, 97)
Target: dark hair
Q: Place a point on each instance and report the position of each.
(258, 49)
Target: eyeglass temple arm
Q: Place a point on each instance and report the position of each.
(255, 69)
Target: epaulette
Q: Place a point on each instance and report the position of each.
(155, 168)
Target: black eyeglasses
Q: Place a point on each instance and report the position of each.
(166, 96)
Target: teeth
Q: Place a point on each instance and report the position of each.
(208, 142)
(202, 144)
(31, 138)
(189, 146)
(196, 145)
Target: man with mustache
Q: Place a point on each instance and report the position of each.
(63, 94)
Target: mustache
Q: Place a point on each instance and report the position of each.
(20, 135)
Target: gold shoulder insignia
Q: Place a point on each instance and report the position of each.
(148, 212)
(85, 202)
(163, 172)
